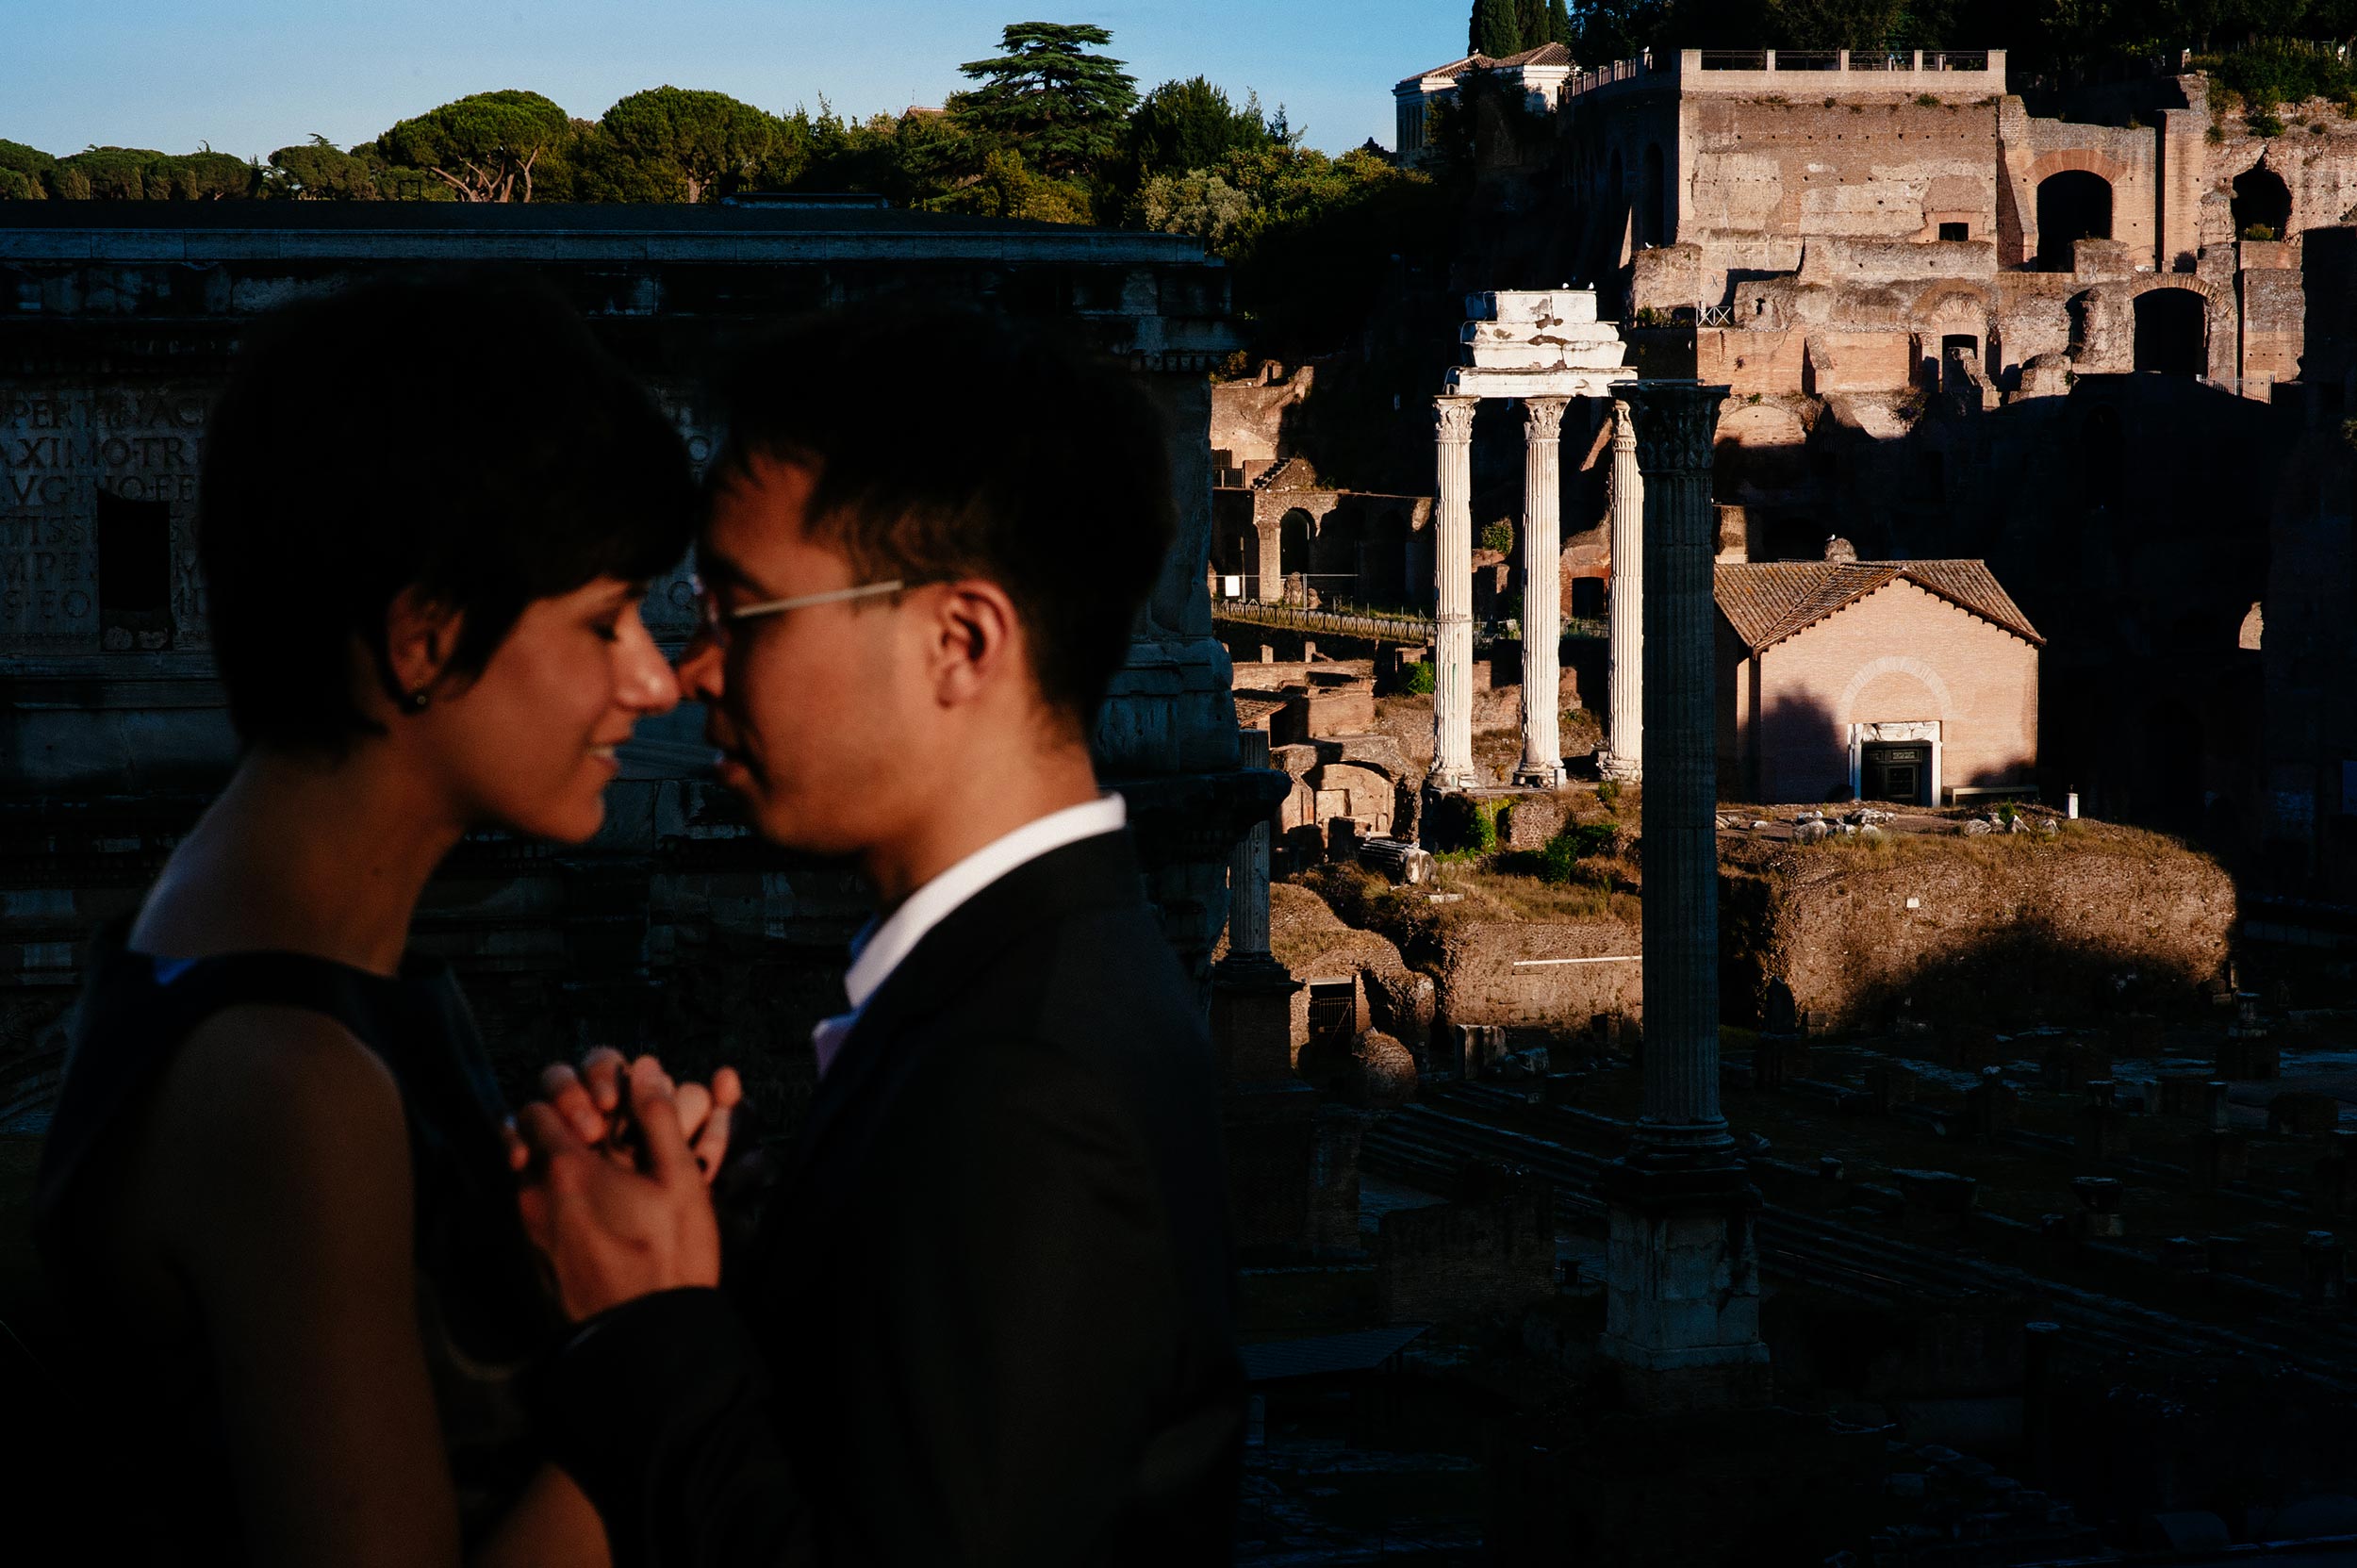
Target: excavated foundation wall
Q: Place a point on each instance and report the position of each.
(1999, 930)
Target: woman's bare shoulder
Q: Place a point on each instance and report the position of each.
(269, 1115)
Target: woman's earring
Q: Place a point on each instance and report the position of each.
(416, 701)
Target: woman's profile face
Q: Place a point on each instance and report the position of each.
(529, 744)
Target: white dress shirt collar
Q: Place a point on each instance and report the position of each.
(877, 950)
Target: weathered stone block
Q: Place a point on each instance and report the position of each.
(1467, 1263)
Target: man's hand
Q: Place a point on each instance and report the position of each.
(591, 1101)
(612, 1233)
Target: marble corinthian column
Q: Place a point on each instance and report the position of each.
(1625, 740)
(1452, 595)
(1543, 591)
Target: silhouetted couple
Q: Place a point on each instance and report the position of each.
(353, 1315)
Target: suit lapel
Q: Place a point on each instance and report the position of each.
(884, 1046)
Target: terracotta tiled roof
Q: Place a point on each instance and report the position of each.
(1766, 601)
(1546, 54)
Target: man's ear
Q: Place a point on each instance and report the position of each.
(976, 641)
(421, 633)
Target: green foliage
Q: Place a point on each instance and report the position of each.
(1065, 108)
(1463, 827)
(1197, 203)
(1417, 680)
(1498, 537)
(487, 147)
(2349, 433)
(1559, 23)
(1314, 251)
(207, 176)
(319, 170)
(2006, 813)
(1840, 23)
(1609, 791)
(23, 172)
(2267, 72)
(1558, 863)
(673, 144)
(1182, 127)
(2259, 231)
(116, 173)
(1494, 29)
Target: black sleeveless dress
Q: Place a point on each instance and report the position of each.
(483, 1313)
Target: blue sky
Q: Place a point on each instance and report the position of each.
(254, 76)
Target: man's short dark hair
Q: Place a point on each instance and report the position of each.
(950, 443)
(460, 433)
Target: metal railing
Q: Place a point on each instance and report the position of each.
(1839, 59)
(1605, 75)
(1403, 626)
(1374, 626)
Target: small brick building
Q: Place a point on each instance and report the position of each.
(1912, 681)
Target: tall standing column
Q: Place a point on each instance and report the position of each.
(1452, 598)
(1625, 742)
(1674, 424)
(1247, 874)
(1543, 591)
(1682, 1305)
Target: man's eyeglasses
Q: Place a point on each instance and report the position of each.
(718, 621)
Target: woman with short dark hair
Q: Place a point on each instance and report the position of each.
(276, 1189)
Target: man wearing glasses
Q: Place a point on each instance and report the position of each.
(988, 1319)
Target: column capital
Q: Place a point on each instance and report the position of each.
(1676, 423)
(1624, 427)
(1452, 418)
(1543, 418)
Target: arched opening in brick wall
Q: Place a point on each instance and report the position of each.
(1293, 545)
(2263, 204)
(1652, 226)
(2172, 332)
(2073, 205)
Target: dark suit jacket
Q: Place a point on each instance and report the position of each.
(993, 1294)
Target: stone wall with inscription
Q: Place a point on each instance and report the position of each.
(73, 457)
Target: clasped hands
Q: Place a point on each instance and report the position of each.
(613, 1165)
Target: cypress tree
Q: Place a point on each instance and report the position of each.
(1558, 24)
(1495, 30)
(1531, 23)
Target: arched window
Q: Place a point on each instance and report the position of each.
(1292, 556)
(2071, 207)
(2263, 204)
(2172, 332)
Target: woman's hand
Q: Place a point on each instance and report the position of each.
(590, 1102)
(614, 1229)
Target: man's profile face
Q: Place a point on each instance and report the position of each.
(819, 714)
